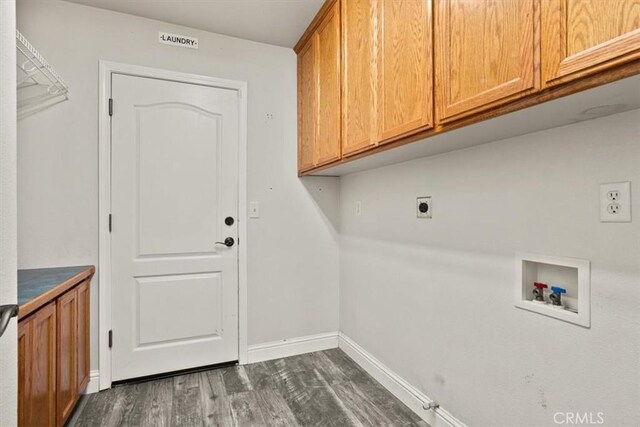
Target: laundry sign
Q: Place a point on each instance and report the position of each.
(178, 40)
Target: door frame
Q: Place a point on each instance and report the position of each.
(107, 68)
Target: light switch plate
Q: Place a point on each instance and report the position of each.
(254, 209)
(615, 202)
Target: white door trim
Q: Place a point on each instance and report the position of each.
(104, 199)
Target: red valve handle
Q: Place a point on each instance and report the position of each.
(540, 285)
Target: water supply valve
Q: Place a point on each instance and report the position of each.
(556, 295)
(538, 292)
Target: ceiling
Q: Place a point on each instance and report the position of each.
(277, 22)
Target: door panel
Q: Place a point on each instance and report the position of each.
(328, 33)
(197, 298)
(166, 224)
(580, 37)
(307, 104)
(359, 130)
(175, 179)
(486, 54)
(405, 97)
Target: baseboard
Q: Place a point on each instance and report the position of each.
(94, 382)
(292, 347)
(408, 394)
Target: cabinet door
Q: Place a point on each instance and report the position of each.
(359, 19)
(581, 37)
(83, 336)
(328, 34)
(25, 347)
(486, 54)
(405, 94)
(67, 312)
(39, 369)
(307, 111)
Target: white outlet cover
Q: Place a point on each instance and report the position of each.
(429, 203)
(615, 202)
(358, 208)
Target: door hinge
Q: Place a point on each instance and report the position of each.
(111, 106)
(110, 338)
(110, 223)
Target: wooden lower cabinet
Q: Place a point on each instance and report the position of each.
(37, 372)
(83, 336)
(53, 365)
(67, 352)
(24, 351)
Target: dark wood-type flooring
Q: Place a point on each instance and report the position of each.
(326, 388)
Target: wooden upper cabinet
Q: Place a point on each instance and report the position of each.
(359, 22)
(329, 84)
(486, 54)
(307, 104)
(405, 67)
(319, 83)
(581, 37)
(376, 72)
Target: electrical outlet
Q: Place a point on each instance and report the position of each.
(613, 208)
(613, 195)
(424, 206)
(615, 202)
(358, 208)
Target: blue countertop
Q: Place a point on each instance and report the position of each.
(34, 282)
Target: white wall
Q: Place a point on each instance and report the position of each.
(293, 254)
(8, 346)
(433, 299)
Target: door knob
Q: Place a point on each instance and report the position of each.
(6, 313)
(228, 242)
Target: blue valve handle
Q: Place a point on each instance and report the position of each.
(558, 290)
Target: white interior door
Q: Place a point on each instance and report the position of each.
(174, 182)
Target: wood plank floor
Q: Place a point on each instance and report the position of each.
(326, 388)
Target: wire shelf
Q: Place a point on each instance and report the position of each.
(39, 85)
